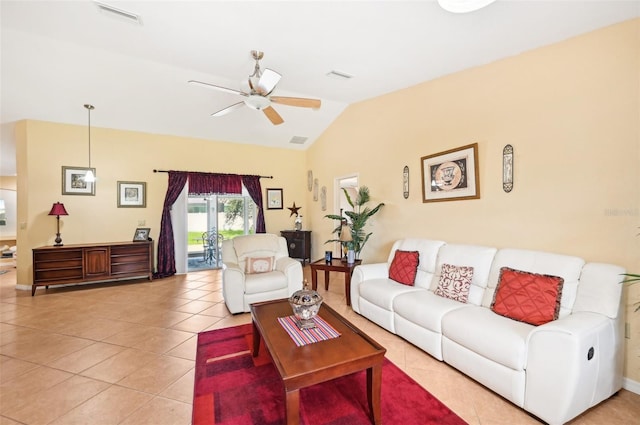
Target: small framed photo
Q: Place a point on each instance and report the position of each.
(274, 199)
(132, 195)
(73, 182)
(142, 234)
(451, 175)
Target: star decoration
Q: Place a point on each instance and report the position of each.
(293, 209)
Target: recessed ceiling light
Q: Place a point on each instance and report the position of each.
(339, 75)
(463, 6)
(121, 14)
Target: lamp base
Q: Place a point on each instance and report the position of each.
(58, 240)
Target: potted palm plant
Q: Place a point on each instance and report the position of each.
(358, 216)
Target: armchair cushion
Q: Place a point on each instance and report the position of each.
(259, 265)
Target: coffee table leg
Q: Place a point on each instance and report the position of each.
(292, 407)
(256, 340)
(374, 387)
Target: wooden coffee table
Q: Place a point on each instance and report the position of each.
(322, 361)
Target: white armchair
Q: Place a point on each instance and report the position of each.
(257, 268)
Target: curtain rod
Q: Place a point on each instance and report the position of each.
(166, 171)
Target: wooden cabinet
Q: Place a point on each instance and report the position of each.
(299, 243)
(69, 264)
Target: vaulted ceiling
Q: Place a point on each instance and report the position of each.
(58, 55)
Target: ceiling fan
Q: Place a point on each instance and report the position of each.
(261, 85)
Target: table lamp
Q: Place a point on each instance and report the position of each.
(58, 209)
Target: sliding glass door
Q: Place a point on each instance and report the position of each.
(212, 219)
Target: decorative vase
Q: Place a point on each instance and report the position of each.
(351, 256)
(305, 304)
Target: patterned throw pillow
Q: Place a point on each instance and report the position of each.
(259, 265)
(455, 282)
(527, 297)
(404, 267)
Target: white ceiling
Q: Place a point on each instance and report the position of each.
(58, 55)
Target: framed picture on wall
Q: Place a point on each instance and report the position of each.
(73, 182)
(274, 199)
(132, 194)
(451, 175)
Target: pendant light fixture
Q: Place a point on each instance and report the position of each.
(89, 177)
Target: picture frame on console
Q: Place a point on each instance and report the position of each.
(141, 234)
(132, 194)
(451, 175)
(274, 199)
(73, 182)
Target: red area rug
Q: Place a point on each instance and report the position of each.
(233, 388)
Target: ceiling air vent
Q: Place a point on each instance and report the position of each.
(121, 14)
(339, 75)
(298, 140)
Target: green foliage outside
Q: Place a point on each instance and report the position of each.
(195, 238)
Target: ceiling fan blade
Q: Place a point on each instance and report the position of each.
(220, 88)
(273, 116)
(228, 109)
(268, 81)
(297, 101)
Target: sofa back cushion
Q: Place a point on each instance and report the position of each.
(428, 250)
(478, 257)
(564, 266)
(600, 290)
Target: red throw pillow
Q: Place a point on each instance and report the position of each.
(527, 297)
(404, 267)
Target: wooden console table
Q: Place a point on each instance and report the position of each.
(69, 264)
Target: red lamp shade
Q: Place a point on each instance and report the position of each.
(58, 209)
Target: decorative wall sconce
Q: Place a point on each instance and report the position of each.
(507, 168)
(58, 209)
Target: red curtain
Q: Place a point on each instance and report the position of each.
(206, 183)
(252, 183)
(166, 247)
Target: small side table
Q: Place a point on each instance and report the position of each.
(336, 265)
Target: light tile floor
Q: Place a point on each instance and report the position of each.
(124, 354)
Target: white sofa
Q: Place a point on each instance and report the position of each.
(240, 288)
(555, 371)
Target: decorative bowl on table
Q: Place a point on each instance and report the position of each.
(305, 304)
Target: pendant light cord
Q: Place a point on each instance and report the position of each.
(89, 108)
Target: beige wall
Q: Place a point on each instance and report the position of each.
(571, 112)
(44, 147)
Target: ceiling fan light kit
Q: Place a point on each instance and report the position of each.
(261, 84)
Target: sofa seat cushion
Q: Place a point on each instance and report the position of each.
(381, 292)
(425, 309)
(490, 335)
(264, 282)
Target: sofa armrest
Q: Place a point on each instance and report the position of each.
(292, 269)
(233, 287)
(365, 272)
(572, 364)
